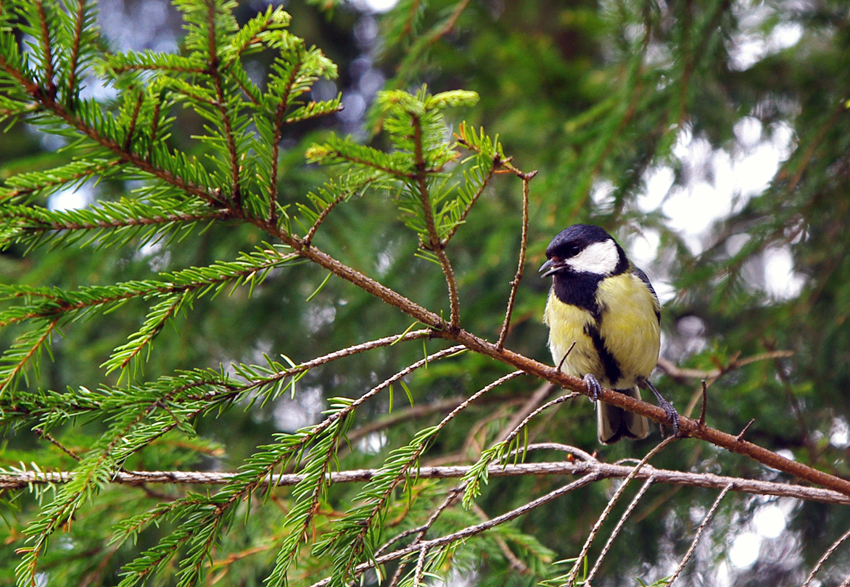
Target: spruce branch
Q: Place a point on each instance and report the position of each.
(249, 268)
(23, 352)
(11, 478)
(434, 242)
(46, 45)
(315, 484)
(221, 102)
(22, 188)
(457, 537)
(76, 40)
(107, 223)
(349, 540)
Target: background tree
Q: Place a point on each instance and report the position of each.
(317, 310)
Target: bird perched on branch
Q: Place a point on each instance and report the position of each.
(604, 324)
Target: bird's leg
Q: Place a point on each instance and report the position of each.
(593, 387)
(669, 410)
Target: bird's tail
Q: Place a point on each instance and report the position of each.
(614, 423)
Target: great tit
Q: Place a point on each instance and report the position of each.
(604, 323)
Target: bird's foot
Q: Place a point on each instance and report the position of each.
(593, 387)
(669, 410)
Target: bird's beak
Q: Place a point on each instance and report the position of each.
(550, 267)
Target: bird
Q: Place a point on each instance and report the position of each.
(604, 322)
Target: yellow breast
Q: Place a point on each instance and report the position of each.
(628, 327)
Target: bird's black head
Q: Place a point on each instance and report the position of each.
(584, 248)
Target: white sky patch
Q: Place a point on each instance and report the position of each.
(717, 183)
(752, 42)
(781, 281)
(376, 6)
(372, 443)
(157, 256)
(291, 414)
(644, 247)
(744, 551)
(839, 436)
(769, 521)
(319, 315)
(71, 199)
(602, 194)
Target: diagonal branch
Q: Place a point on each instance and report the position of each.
(703, 525)
(687, 427)
(610, 506)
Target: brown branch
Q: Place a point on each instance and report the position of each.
(520, 265)
(75, 47)
(221, 105)
(687, 426)
(434, 242)
(128, 140)
(49, 437)
(49, 82)
(13, 373)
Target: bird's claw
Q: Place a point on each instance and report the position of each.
(593, 387)
(669, 410)
(672, 415)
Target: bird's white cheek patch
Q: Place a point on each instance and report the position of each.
(600, 258)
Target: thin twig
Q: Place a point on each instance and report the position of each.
(616, 531)
(682, 374)
(470, 530)
(607, 511)
(434, 242)
(529, 407)
(33, 351)
(703, 525)
(49, 437)
(740, 436)
(420, 564)
(421, 533)
(825, 557)
(327, 210)
(513, 561)
(521, 264)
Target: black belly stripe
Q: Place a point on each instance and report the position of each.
(609, 363)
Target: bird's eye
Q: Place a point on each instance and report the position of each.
(573, 250)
